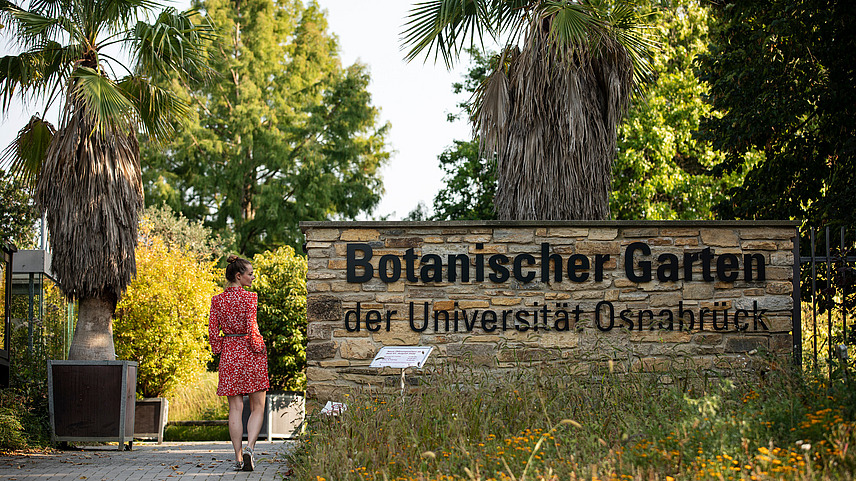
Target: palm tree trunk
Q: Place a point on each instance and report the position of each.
(551, 117)
(93, 335)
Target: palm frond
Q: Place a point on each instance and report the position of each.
(491, 103)
(571, 24)
(31, 28)
(99, 98)
(48, 8)
(511, 17)
(631, 30)
(174, 44)
(157, 107)
(121, 14)
(443, 26)
(35, 72)
(24, 156)
(17, 74)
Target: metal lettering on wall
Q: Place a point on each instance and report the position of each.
(558, 316)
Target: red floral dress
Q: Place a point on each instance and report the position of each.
(243, 359)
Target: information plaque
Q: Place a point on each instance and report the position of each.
(402, 357)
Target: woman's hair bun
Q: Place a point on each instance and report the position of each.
(232, 258)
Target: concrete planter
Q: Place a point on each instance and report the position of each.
(283, 415)
(150, 418)
(92, 401)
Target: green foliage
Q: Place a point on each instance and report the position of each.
(470, 179)
(782, 76)
(660, 170)
(419, 213)
(162, 321)
(284, 134)
(470, 184)
(281, 286)
(11, 430)
(177, 231)
(24, 418)
(18, 213)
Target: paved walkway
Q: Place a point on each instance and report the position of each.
(147, 461)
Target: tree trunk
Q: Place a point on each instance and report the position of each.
(93, 335)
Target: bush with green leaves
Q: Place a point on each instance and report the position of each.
(178, 231)
(11, 431)
(18, 213)
(162, 321)
(281, 286)
(24, 415)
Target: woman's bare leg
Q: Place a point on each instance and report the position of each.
(254, 424)
(236, 424)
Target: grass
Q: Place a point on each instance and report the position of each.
(196, 433)
(198, 400)
(195, 402)
(547, 423)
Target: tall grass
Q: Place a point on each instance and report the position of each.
(198, 400)
(548, 423)
(816, 340)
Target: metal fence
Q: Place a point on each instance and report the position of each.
(828, 284)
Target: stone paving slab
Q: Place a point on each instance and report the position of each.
(204, 461)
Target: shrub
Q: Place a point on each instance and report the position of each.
(162, 321)
(12, 410)
(281, 286)
(177, 231)
(11, 431)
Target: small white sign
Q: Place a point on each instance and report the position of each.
(402, 357)
(334, 409)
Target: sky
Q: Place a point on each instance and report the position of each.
(415, 98)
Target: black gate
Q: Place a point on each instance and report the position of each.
(828, 292)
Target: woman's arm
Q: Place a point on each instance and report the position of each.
(214, 338)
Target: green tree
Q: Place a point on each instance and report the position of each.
(177, 231)
(661, 171)
(550, 106)
(281, 286)
(782, 77)
(162, 320)
(470, 178)
(284, 134)
(470, 184)
(18, 213)
(87, 169)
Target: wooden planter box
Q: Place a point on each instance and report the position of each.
(92, 401)
(283, 415)
(150, 418)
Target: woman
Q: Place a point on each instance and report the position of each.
(243, 357)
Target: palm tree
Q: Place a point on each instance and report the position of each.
(550, 108)
(87, 171)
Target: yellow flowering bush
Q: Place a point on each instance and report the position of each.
(162, 321)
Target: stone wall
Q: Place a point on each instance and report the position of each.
(739, 283)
